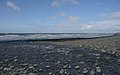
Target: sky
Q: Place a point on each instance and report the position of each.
(59, 16)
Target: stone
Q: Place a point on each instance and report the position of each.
(69, 67)
(35, 65)
(98, 69)
(31, 67)
(98, 57)
(11, 67)
(1, 62)
(58, 62)
(1, 68)
(50, 73)
(62, 72)
(85, 71)
(77, 67)
(81, 62)
(31, 74)
(48, 66)
(6, 69)
(68, 73)
(24, 65)
(15, 60)
(40, 70)
(92, 72)
(65, 66)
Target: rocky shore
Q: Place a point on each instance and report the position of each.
(98, 56)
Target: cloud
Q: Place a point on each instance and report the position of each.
(102, 25)
(59, 15)
(12, 5)
(115, 15)
(63, 2)
(104, 14)
(73, 19)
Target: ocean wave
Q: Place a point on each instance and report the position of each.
(7, 37)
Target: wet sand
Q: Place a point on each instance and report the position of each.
(98, 56)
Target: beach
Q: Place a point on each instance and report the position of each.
(90, 56)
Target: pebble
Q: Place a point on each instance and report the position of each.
(1, 68)
(24, 65)
(32, 74)
(48, 66)
(65, 66)
(35, 65)
(69, 67)
(31, 67)
(77, 67)
(15, 60)
(98, 69)
(58, 62)
(61, 71)
(98, 57)
(85, 71)
(40, 70)
(11, 67)
(6, 69)
(1, 62)
(50, 73)
(92, 72)
(81, 62)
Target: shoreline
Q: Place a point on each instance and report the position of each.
(100, 56)
(59, 39)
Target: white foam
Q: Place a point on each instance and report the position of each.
(47, 36)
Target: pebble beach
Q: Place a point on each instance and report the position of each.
(96, 56)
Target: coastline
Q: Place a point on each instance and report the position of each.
(109, 44)
(94, 56)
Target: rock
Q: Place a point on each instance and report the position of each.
(25, 72)
(1, 68)
(40, 70)
(24, 65)
(50, 73)
(5, 60)
(96, 64)
(92, 72)
(85, 71)
(58, 62)
(65, 66)
(1, 62)
(81, 62)
(15, 60)
(11, 67)
(31, 74)
(65, 63)
(48, 66)
(35, 65)
(47, 60)
(98, 57)
(31, 67)
(69, 67)
(68, 73)
(98, 69)
(62, 72)
(103, 50)
(6, 69)
(79, 71)
(15, 57)
(77, 67)
(69, 60)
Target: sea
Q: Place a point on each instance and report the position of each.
(42, 36)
